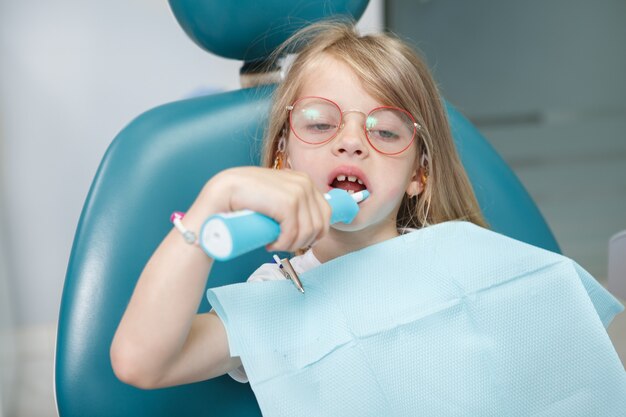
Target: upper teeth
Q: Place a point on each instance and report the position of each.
(351, 178)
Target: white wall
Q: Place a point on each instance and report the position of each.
(73, 74)
(7, 335)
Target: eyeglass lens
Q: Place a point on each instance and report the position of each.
(316, 120)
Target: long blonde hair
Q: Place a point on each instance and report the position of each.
(392, 73)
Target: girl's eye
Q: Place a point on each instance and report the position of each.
(319, 127)
(386, 135)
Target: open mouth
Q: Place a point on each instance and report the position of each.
(350, 183)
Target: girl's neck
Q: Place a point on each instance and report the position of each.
(338, 243)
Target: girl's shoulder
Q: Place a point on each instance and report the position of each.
(266, 272)
(271, 272)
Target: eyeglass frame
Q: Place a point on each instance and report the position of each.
(416, 126)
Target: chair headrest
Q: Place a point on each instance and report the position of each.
(250, 30)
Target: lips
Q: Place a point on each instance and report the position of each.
(348, 178)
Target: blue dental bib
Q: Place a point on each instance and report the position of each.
(450, 320)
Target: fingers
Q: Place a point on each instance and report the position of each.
(323, 216)
(289, 197)
(303, 216)
(319, 214)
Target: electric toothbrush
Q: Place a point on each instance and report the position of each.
(225, 236)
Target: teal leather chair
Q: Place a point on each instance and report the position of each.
(157, 164)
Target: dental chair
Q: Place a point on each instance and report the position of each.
(157, 165)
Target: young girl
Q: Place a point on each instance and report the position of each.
(353, 112)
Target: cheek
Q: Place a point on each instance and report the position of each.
(297, 159)
(303, 162)
(393, 194)
(302, 157)
(396, 181)
(309, 162)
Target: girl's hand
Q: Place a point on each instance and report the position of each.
(287, 196)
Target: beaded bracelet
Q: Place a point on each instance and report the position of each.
(189, 236)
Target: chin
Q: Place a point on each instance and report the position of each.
(358, 224)
(352, 227)
(365, 220)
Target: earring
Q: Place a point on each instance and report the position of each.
(278, 161)
(424, 172)
(424, 178)
(280, 152)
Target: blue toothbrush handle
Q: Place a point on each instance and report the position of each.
(225, 236)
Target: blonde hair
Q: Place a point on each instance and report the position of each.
(392, 73)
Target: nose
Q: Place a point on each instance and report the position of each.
(350, 139)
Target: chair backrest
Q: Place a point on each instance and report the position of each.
(157, 165)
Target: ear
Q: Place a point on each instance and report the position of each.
(416, 186)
